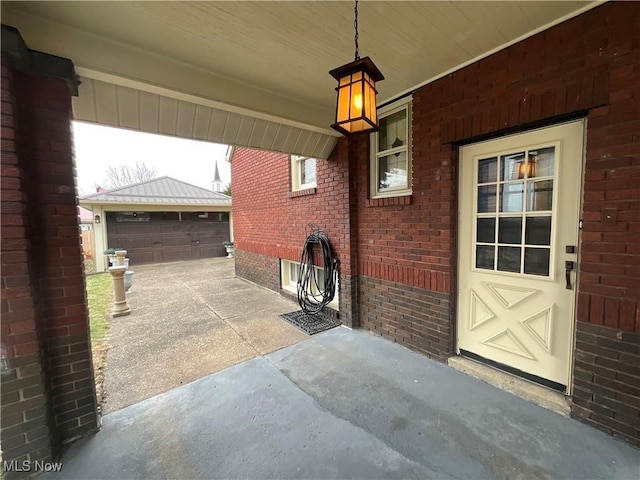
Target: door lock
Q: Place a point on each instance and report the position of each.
(568, 266)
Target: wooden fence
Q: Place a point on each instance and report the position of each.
(88, 244)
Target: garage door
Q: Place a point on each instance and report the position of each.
(168, 236)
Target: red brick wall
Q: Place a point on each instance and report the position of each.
(272, 221)
(587, 67)
(44, 312)
(25, 423)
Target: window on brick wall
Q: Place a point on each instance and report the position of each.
(303, 173)
(289, 272)
(390, 171)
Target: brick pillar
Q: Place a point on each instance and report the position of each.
(349, 267)
(48, 393)
(25, 429)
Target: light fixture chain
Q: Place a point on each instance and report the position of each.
(355, 26)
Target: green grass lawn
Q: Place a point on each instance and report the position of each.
(100, 294)
(99, 298)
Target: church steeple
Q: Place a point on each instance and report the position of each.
(217, 183)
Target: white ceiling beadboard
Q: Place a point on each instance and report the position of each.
(120, 106)
(264, 64)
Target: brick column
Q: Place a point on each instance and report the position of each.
(25, 428)
(48, 393)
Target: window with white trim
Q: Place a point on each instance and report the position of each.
(289, 272)
(390, 171)
(303, 173)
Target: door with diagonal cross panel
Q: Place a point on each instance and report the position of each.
(518, 238)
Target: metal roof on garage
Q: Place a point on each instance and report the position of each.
(159, 191)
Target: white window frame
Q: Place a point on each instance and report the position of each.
(402, 104)
(289, 280)
(296, 173)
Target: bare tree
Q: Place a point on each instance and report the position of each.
(121, 175)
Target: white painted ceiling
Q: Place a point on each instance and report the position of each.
(272, 58)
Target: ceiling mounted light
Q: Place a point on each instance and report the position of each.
(356, 103)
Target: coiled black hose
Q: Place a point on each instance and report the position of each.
(312, 296)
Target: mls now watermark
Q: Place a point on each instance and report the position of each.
(38, 466)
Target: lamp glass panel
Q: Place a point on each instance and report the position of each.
(356, 100)
(372, 102)
(369, 107)
(343, 104)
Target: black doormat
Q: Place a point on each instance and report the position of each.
(310, 324)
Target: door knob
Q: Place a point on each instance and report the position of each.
(568, 266)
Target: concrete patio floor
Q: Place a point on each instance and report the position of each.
(344, 404)
(188, 320)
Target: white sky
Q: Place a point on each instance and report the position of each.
(98, 147)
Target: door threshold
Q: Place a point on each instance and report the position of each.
(541, 396)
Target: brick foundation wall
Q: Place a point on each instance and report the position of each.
(50, 393)
(607, 380)
(258, 268)
(411, 316)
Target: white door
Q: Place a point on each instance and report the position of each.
(519, 211)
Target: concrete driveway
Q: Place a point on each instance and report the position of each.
(189, 320)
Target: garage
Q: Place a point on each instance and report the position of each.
(160, 220)
(153, 237)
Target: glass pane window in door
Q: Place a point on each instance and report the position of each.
(392, 171)
(536, 261)
(488, 170)
(485, 255)
(510, 230)
(539, 195)
(512, 166)
(393, 131)
(487, 199)
(537, 231)
(509, 259)
(486, 230)
(541, 162)
(511, 197)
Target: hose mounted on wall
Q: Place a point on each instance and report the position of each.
(312, 295)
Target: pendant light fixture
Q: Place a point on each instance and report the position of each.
(356, 103)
